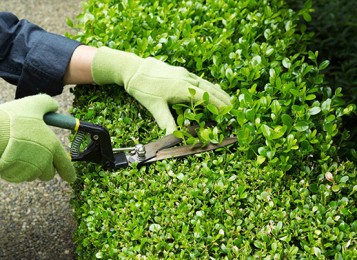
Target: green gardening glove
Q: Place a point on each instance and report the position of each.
(153, 83)
(28, 147)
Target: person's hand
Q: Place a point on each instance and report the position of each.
(29, 149)
(153, 83)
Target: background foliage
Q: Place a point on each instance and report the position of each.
(335, 26)
(287, 190)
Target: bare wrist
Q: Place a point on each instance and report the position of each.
(79, 67)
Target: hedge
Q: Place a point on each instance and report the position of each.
(287, 189)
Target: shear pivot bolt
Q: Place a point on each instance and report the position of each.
(140, 150)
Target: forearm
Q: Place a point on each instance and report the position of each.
(79, 67)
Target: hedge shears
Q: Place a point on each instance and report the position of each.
(99, 148)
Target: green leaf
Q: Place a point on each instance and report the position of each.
(312, 56)
(279, 131)
(276, 107)
(324, 65)
(287, 120)
(262, 151)
(307, 17)
(286, 63)
(310, 97)
(344, 179)
(336, 188)
(314, 110)
(326, 106)
(317, 251)
(250, 114)
(178, 134)
(192, 92)
(295, 92)
(243, 136)
(301, 126)
(206, 97)
(240, 117)
(180, 120)
(330, 128)
(213, 109)
(69, 22)
(260, 159)
(266, 130)
(285, 238)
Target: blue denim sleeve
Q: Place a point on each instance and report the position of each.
(31, 58)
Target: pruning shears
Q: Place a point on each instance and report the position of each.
(99, 148)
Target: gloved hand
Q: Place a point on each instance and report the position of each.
(28, 147)
(153, 83)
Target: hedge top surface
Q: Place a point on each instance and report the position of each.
(268, 196)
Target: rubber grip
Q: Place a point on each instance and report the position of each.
(61, 121)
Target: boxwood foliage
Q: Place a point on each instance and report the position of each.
(286, 190)
(335, 27)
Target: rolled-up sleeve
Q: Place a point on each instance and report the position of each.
(31, 58)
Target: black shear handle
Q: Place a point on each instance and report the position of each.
(99, 150)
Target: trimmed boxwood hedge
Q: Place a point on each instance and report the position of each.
(287, 189)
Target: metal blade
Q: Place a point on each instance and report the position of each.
(152, 148)
(181, 151)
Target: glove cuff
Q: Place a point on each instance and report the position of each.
(113, 66)
(4, 131)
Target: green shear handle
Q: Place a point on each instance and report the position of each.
(99, 149)
(62, 121)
